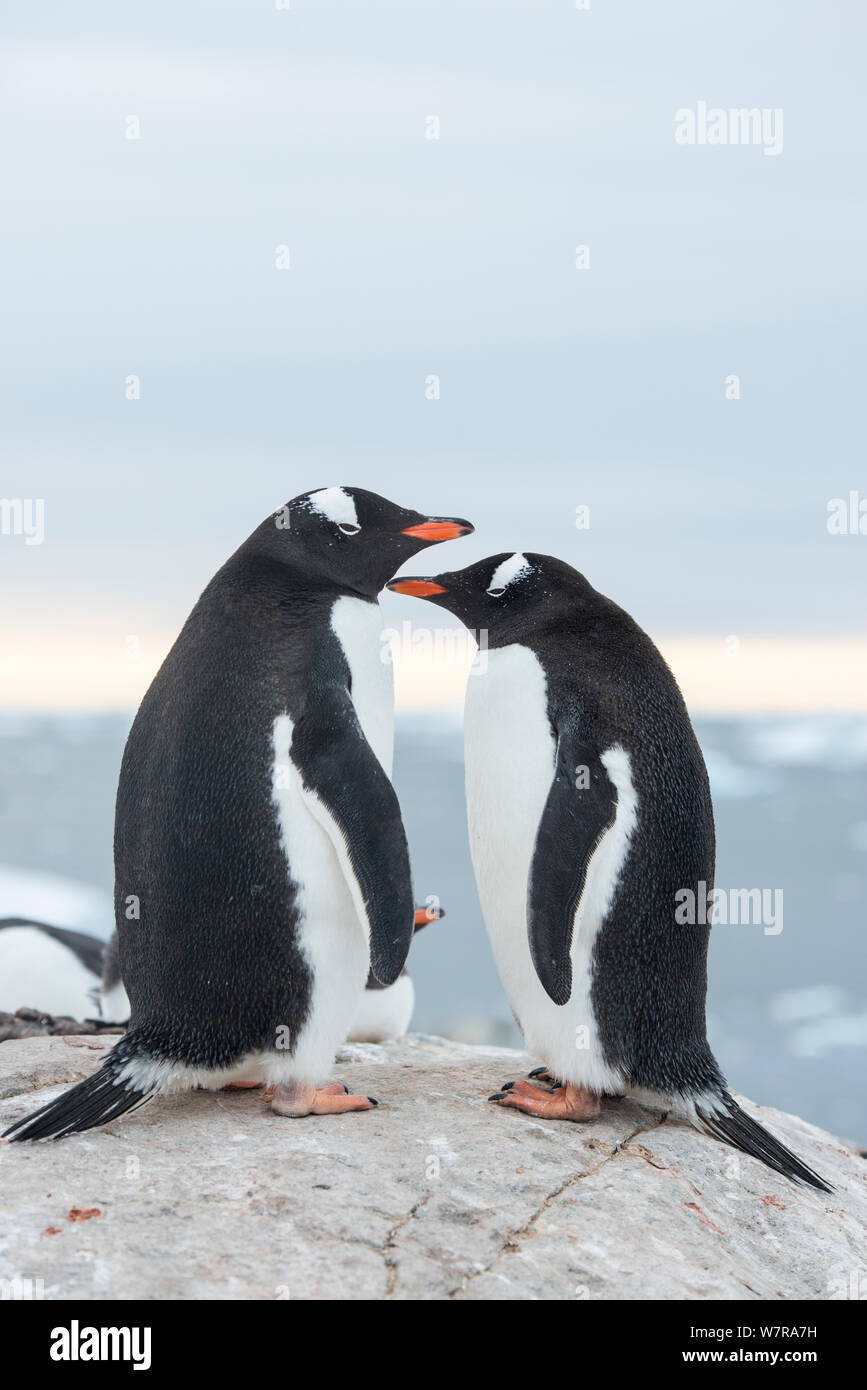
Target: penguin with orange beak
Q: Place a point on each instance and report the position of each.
(261, 864)
(385, 1011)
(590, 822)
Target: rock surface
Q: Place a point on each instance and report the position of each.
(33, 1023)
(437, 1194)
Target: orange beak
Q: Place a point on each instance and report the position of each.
(416, 588)
(438, 530)
(423, 915)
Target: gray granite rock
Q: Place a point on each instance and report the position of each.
(436, 1194)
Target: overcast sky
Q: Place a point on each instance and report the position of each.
(411, 257)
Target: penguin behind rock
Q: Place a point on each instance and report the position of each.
(589, 811)
(384, 1011)
(261, 865)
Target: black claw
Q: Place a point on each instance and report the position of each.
(372, 1101)
(537, 1071)
(346, 1090)
(500, 1095)
(507, 1085)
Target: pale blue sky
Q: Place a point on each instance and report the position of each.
(455, 257)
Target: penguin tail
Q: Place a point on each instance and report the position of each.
(721, 1116)
(101, 1098)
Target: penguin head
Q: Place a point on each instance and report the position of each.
(350, 538)
(504, 595)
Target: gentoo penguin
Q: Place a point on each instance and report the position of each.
(62, 972)
(261, 865)
(49, 968)
(384, 1011)
(589, 811)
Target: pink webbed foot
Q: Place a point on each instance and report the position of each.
(296, 1101)
(562, 1103)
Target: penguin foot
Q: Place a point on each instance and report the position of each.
(564, 1103)
(544, 1075)
(296, 1101)
(541, 1077)
(242, 1085)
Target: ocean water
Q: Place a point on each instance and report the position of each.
(787, 1010)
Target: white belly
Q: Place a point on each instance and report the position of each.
(332, 935)
(114, 1004)
(38, 972)
(510, 757)
(383, 1013)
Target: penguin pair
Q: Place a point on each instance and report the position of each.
(261, 864)
(589, 814)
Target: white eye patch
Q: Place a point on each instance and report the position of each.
(336, 505)
(506, 573)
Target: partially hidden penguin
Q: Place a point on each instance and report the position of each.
(50, 968)
(591, 823)
(261, 865)
(384, 1011)
(68, 974)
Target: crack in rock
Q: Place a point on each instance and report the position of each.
(512, 1239)
(388, 1245)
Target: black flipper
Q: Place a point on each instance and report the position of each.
(87, 948)
(348, 791)
(423, 915)
(101, 1098)
(581, 806)
(741, 1131)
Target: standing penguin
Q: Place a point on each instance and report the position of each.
(261, 865)
(589, 811)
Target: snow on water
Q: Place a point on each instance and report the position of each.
(730, 779)
(814, 1001)
(818, 1021)
(837, 742)
(62, 902)
(827, 1035)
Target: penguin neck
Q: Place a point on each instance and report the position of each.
(283, 581)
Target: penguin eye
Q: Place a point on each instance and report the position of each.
(495, 593)
(348, 529)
